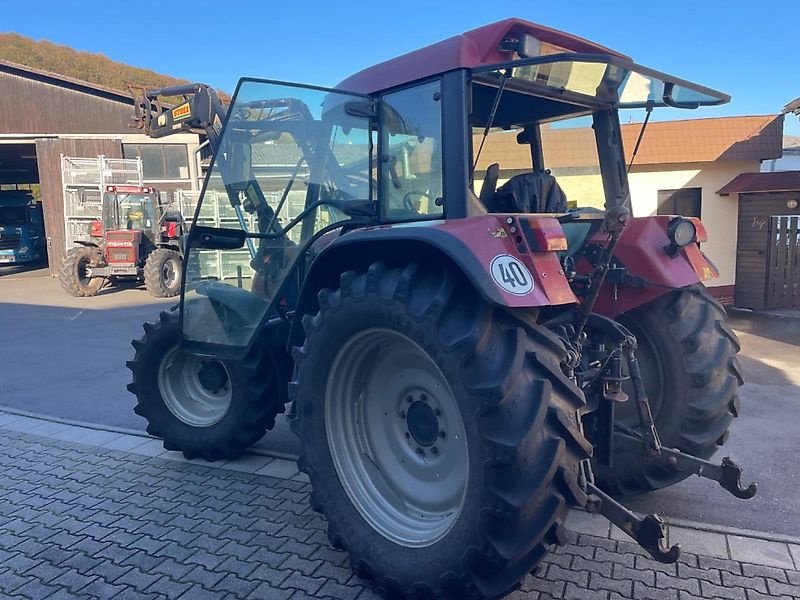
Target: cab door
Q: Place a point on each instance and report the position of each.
(292, 161)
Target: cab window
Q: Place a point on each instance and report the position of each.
(411, 153)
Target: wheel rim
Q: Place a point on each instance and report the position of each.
(197, 390)
(396, 437)
(169, 274)
(84, 271)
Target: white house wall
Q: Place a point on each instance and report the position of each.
(719, 213)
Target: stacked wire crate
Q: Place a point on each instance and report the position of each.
(216, 211)
(83, 182)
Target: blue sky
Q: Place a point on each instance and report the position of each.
(746, 49)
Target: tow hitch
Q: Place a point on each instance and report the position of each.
(650, 531)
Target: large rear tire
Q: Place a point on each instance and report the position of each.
(205, 408)
(162, 273)
(441, 438)
(74, 273)
(688, 358)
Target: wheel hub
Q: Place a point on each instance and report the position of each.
(196, 390)
(422, 422)
(212, 375)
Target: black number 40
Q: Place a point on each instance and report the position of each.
(512, 275)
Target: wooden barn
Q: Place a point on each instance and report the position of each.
(44, 115)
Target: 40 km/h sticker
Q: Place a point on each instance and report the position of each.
(511, 275)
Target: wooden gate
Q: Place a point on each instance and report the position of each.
(783, 272)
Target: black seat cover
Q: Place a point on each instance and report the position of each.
(536, 192)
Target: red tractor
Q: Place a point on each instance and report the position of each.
(464, 365)
(136, 238)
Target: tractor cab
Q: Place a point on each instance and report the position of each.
(130, 209)
(403, 146)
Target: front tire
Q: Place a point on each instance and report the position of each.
(691, 375)
(205, 408)
(440, 436)
(74, 274)
(162, 273)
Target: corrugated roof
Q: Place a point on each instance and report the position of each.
(70, 82)
(664, 142)
(778, 181)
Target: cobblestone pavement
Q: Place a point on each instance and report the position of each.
(114, 516)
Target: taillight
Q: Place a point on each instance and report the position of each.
(544, 234)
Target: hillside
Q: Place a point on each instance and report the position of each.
(94, 68)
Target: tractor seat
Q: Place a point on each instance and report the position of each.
(536, 192)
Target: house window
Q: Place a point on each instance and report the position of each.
(684, 202)
(160, 162)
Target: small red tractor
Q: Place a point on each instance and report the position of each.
(135, 238)
(464, 365)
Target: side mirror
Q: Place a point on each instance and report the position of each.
(240, 165)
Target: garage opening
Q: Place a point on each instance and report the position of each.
(22, 231)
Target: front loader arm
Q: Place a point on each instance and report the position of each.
(201, 111)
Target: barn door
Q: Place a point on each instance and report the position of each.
(783, 273)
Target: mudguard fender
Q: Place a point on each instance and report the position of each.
(481, 247)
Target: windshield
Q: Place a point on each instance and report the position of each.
(605, 79)
(129, 211)
(12, 215)
(291, 161)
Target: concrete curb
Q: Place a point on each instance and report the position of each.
(716, 540)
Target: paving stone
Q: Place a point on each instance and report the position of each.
(599, 582)
(84, 522)
(646, 592)
(588, 523)
(715, 591)
(760, 552)
(264, 591)
(647, 577)
(705, 543)
(710, 575)
(776, 589)
(279, 468)
(678, 583)
(573, 592)
(299, 581)
(236, 585)
(794, 550)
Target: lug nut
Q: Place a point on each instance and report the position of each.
(409, 399)
(437, 412)
(420, 451)
(408, 435)
(442, 434)
(402, 414)
(423, 397)
(435, 450)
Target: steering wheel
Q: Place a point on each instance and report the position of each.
(408, 203)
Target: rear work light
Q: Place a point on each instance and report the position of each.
(681, 232)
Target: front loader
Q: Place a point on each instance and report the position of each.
(463, 368)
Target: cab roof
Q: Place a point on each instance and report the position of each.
(470, 50)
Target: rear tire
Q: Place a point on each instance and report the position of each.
(74, 276)
(471, 519)
(162, 273)
(205, 408)
(691, 375)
